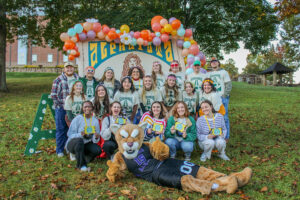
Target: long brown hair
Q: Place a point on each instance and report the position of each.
(175, 88)
(73, 91)
(161, 114)
(97, 103)
(111, 105)
(175, 113)
(153, 73)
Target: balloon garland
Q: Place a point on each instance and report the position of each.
(163, 31)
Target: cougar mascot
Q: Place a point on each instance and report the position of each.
(152, 163)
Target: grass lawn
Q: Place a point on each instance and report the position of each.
(265, 135)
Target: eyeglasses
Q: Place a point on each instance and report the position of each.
(90, 70)
(174, 64)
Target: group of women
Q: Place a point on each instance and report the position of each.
(175, 109)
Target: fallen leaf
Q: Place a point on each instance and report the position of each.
(181, 198)
(53, 185)
(264, 189)
(126, 192)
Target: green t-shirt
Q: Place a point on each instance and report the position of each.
(75, 105)
(170, 100)
(90, 90)
(110, 88)
(197, 79)
(149, 98)
(127, 100)
(191, 101)
(219, 78)
(160, 80)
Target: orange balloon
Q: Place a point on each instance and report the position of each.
(69, 44)
(156, 19)
(144, 34)
(176, 24)
(71, 57)
(112, 35)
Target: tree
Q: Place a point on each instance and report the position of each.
(230, 67)
(17, 18)
(218, 24)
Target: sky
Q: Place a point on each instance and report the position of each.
(241, 54)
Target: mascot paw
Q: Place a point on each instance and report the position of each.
(113, 172)
(243, 177)
(159, 149)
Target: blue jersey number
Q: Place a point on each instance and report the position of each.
(186, 168)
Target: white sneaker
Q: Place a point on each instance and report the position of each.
(223, 156)
(60, 155)
(72, 157)
(203, 157)
(85, 169)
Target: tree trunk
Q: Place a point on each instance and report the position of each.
(3, 86)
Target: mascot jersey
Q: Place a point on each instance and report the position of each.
(165, 173)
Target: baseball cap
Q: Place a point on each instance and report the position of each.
(197, 62)
(68, 64)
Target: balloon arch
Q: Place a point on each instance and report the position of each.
(163, 31)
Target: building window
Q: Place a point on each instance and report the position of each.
(34, 58)
(65, 58)
(50, 58)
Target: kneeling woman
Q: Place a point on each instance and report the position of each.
(83, 136)
(156, 123)
(211, 132)
(115, 117)
(181, 131)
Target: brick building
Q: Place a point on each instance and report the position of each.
(19, 54)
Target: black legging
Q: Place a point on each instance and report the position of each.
(109, 147)
(84, 153)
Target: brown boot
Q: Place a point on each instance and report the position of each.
(243, 177)
(226, 183)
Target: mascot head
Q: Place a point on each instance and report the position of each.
(129, 138)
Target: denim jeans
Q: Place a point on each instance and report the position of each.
(61, 129)
(225, 101)
(174, 145)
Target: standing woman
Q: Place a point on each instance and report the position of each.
(73, 103)
(101, 102)
(176, 69)
(190, 97)
(156, 122)
(128, 97)
(157, 74)
(208, 92)
(181, 131)
(83, 135)
(170, 93)
(148, 94)
(111, 84)
(211, 132)
(110, 144)
(137, 75)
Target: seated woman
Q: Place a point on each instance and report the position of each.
(83, 136)
(148, 94)
(156, 122)
(209, 92)
(181, 131)
(115, 117)
(128, 98)
(111, 84)
(211, 131)
(170, 93)
(190, 97)
(74, 101)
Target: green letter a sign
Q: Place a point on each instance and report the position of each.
(36, 133)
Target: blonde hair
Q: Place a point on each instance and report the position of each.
(103, 78)
(153, 73)
(153, 87)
